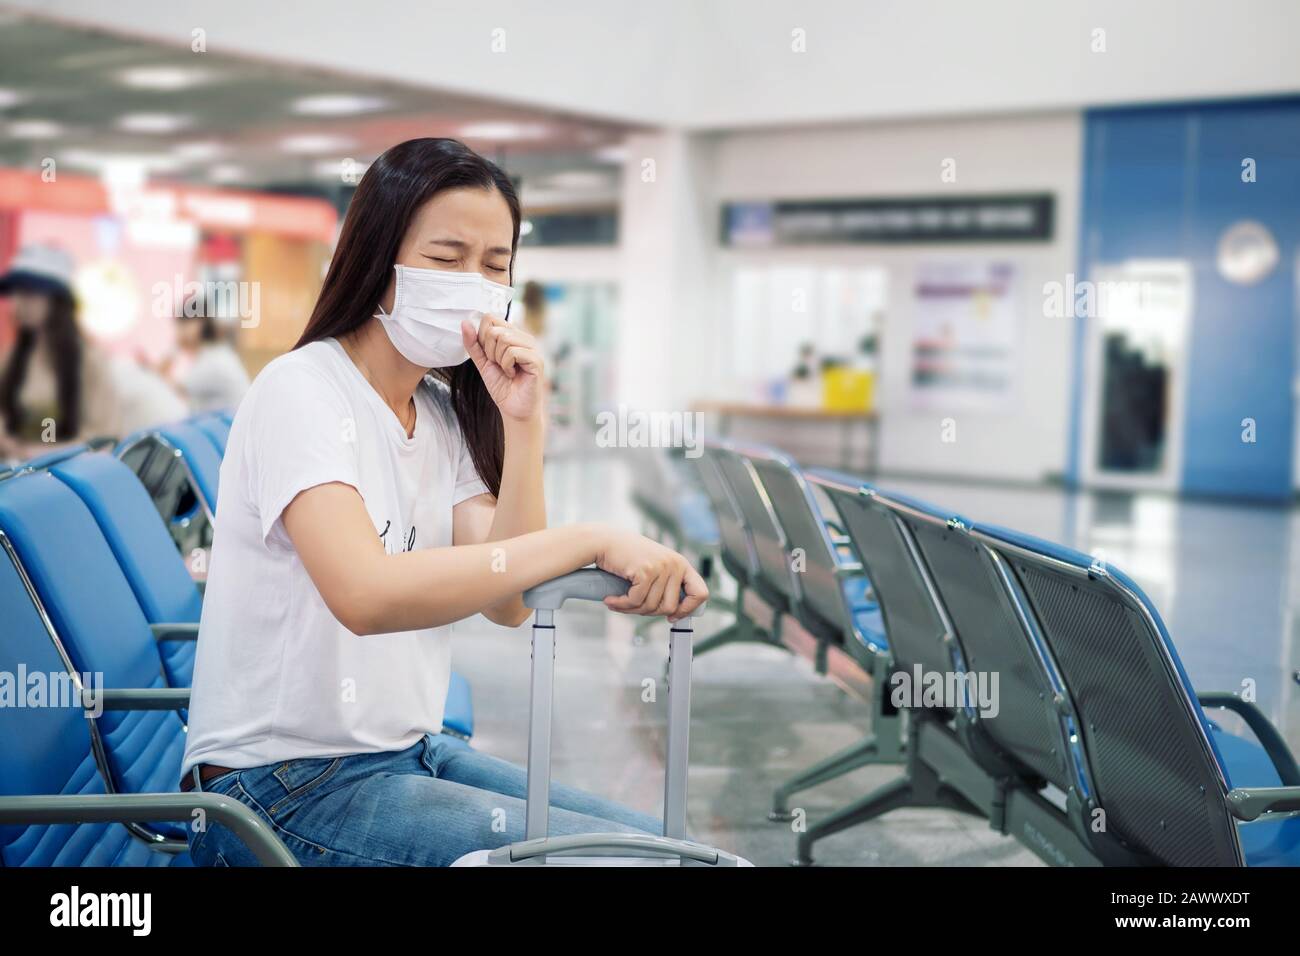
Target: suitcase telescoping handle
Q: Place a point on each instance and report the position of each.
(592, 584)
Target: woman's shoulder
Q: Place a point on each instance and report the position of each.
(309, 370)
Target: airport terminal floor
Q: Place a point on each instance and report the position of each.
(1221, 574)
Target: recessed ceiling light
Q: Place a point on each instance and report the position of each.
(226, 173)
(120, 167)
(502, 132)
(578, 179)
(337, 104)
(315, 143)
(34, 129)
(152, 122)
(199, 151)
(10, 98)
(345, 170)
(611, 154)
(163, 77)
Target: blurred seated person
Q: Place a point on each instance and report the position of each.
(57, 385)
(214, 377)
(145, 399)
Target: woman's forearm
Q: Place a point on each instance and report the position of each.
(436, 586)
(521, 505)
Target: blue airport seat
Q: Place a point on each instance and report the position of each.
(201, 456)
(834, 589)
(698, 523)
(458, 716)
(870, 626)
(857, 592)
(1135, 656)
(144, 550)
(216, 428)
(53, 457)
(97, 619)
(47, 751)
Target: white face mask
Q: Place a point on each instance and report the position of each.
(428, 307)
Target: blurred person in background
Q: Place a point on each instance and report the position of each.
(57, 386)
(534, 317)
(214, 377)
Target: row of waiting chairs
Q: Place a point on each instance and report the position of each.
(94, 590)
(1096, 749)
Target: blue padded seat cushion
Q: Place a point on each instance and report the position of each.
(101, 624)
(869, 627)
(46, 751)
(697, 519)
(217, 430)
(1264, 842)
(458, 716)
(855, 592)
(143, 547)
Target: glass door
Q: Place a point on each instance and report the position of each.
(1137, 316)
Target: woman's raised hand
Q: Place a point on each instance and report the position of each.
(511, 365)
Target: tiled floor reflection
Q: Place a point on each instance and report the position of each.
(1220, 574)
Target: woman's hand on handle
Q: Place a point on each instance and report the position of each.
(658, 574)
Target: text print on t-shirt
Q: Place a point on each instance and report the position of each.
(395, 546)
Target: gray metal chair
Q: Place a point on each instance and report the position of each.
(675, 508)
(1026, 733)
(1167, 786)
(838, 608)
(737, 553)
(939, 770)
(773, 579)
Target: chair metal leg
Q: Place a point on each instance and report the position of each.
(860, 754)
(920, 787)
(891, 796)
(884, 745)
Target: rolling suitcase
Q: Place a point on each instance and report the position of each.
(601, 849)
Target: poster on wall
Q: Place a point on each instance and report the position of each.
(964, 335)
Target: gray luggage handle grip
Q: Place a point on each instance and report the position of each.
(585, 584)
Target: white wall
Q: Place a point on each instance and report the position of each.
(568, 264)
(1024, 154)
(728, 63)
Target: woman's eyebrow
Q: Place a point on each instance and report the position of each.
(458, 244)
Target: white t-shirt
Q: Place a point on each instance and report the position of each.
(217, 378)
(276, 676)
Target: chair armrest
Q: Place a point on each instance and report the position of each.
(1263, 729)
(1251, 803)
(175, 631)
(140, 698)
(146, 807)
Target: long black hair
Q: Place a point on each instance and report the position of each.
(65, 344)
(395, 186)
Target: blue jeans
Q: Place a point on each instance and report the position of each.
(426, 805)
